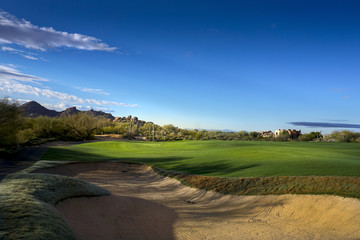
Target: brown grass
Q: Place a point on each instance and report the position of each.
(331, 185)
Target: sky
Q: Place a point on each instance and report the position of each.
(238, 65)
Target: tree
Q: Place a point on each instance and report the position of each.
(11, 121)
(311, 136)
(283, 136)
(254, 135)
(154, 131)
(169, 128)
(81, 125)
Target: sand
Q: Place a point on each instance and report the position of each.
(144, 205)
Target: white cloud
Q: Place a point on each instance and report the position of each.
(30, 57)
(18, 100)
(10, 73)
(22, 32)
(92, 90)
(10, 49)
(20, 52)
(12, 81)
(16, 87)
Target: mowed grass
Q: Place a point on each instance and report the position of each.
(225, 158)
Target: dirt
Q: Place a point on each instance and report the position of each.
(144, 205)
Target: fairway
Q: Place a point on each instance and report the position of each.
(224, 158)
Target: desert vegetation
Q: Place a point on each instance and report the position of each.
(17, 131)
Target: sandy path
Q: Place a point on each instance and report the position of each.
(144, 205)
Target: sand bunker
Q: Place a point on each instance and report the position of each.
(144, 205)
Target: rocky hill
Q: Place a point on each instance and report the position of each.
(33, 109)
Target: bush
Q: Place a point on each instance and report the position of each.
(81, 126)
(283, 136)
(11, 121)
(24, 136)
(344, 136)
(311, 137)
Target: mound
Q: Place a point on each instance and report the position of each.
(26, 205)
(144, 205)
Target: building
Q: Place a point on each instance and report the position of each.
(294, 134)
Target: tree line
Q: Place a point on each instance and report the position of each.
(17, 131)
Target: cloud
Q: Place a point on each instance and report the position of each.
(16, 87)
(10, 49)
(335, 120)
(63, 106)
(22, 32)
(325, 124)
(92, 90)
(20, 52)
(18, 100)
(30, 57)
(10, 73)
(12, 81)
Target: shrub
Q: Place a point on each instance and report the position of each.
(24, 136)
(11, 121)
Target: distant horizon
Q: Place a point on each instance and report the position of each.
(318, 124)
(241, 65)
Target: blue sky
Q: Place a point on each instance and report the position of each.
(240, 65)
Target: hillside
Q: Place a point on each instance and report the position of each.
(34, 109)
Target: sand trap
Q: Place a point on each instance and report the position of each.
(144, 205)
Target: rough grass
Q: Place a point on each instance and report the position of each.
(331, 185)
(225, 158)
(27, 205)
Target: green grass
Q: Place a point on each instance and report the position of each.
(225, 158)
(27, 204)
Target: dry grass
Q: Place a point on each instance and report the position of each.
(331, 185)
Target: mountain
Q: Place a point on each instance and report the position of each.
(33, 109)
(69, 111)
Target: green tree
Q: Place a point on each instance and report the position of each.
(283, 136)
(81, 125)
(11, 121)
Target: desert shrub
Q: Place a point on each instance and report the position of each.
(46, 127)
(24, 136)
(11, 121)
(343, 136)
(283, 136)
(80, 126)
(311, 136)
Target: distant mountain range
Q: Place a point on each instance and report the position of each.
(34, 109)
